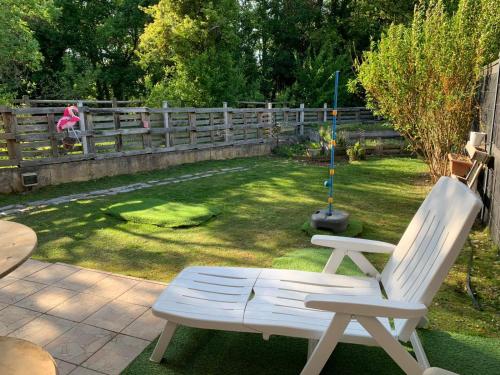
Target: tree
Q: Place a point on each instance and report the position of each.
(90, 49)
(19, 49)
(292, 34)
(191, 52)
(423, 77)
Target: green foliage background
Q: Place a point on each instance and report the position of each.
(193, 52)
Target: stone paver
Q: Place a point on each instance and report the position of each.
(85, 371)
(147, 326)
(79, 307)
(43, 329)
(51, 274)
(46, 299)
(27, 268)
(6, 281)
(81, 280)
(13, 317)
(64, 368)
(18, 290)
(115, 316)
(116, 354)
(112, 286)
(92, 322)
(144, 293)
(79, 343)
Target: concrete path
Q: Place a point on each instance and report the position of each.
(92, 322)
(15, 209)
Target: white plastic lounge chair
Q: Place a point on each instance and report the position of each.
(327, 308)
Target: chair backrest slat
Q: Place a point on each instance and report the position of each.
(431, 243)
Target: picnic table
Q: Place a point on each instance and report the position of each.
(17, 356)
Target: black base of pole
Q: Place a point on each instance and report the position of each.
(336, 222)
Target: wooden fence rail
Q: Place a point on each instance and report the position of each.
(28, 135)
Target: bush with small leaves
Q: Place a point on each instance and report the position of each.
(356, 152)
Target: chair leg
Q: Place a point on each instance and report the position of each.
(326, 345)
(163, 342)
(391, 346)
(311, 345)
(423, 322)
(419, 350)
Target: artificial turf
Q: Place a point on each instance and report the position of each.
(262, 211)
(195, 351)
(164, 214)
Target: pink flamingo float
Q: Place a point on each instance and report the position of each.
(69, 119)
(67, 122)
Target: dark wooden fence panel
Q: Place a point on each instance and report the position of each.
(490, 123)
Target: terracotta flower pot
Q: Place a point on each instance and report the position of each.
(459, 165)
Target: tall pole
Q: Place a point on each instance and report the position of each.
(333, 143)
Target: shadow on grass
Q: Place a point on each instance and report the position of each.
(195, 351)
(263, 210)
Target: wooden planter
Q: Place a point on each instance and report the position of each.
(459, 165)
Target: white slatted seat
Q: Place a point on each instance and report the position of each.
(208, 297)
(277, 308)
(327, 308)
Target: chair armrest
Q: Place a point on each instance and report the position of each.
(352, 244)
(366, 306)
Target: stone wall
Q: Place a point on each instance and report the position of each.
(54, 174)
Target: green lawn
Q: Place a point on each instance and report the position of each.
(262, 211)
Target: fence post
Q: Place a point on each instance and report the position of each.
(325, 112)
(192, 128)
(259, 126)
(83, 127)
(301, 119)
(270, 119)
(26, 101)
(211, 124)
(10, 125)
(245, 125)
(166, 124)
(117, 125)
(227, 132)
(147, 143)
(54, 149)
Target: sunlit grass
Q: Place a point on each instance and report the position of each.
(262, 212)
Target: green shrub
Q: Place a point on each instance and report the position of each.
(292, 150)
(356, 152)
(423, 77)
(325, 133)
(314, 145)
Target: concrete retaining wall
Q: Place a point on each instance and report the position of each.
(54, 174)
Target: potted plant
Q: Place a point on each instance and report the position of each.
(356, 152)
(313, 150)
(459, 164)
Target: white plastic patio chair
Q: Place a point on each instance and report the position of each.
(326, 308)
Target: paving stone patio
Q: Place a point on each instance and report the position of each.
(92, 322)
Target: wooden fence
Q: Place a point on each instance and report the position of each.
(489, 98)
(28, 135)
